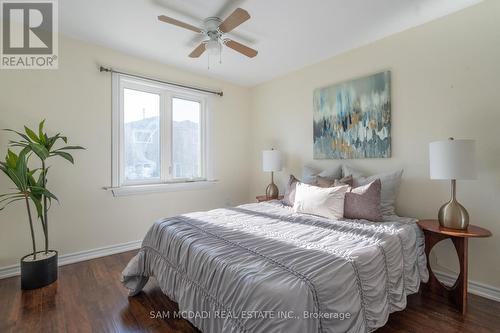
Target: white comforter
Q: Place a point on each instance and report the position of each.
(263, 268)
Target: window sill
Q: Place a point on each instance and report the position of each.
(159, 188)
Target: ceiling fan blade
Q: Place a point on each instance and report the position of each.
(235, 19)
(198, 51)
(243, 49)
(178, 23)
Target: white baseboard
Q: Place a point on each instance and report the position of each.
(72, 258)
(474, 287)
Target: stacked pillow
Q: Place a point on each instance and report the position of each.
(317, 180)
(289, 196)
(363, 202)
(323, 201)
(322, 193)
(310, 174)
(389, 181)
(347, 180)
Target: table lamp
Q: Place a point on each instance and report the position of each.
(271, 162)
(452, 159)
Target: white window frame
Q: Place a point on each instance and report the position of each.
(166, 182)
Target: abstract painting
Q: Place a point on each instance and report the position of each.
(353, 119)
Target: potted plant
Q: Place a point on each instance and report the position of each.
(38, 268)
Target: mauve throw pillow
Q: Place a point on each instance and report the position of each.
(390, 182)
(323, 182)
(363, 202)
(289, 196)
(343, 181)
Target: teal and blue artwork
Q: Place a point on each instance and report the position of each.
(353, 119)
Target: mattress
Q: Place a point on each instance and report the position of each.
(263, 268)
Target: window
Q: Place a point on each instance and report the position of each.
(186, 139)
(160, 135)
(141, 136)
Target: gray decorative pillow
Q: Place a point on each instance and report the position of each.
(389, 181)
(289, 196)
(332, 173)
(309, 174)
(363, 202)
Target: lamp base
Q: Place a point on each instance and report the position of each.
(272, 191)
(453, 215)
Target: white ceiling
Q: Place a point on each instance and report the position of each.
(289, 34)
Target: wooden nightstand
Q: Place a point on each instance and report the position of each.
(261, 198)
(434, 233)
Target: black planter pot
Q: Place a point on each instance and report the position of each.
(39, 273)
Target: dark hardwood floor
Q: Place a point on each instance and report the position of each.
(88, 297)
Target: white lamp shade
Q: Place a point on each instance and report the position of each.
(452, 159)
(271, 160)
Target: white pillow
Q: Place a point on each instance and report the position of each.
(390, 182)
(327, 202)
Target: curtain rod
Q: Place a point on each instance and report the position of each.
(110, 70)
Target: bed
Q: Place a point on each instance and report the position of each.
(263, 268)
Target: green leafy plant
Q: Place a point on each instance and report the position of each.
(43, 147)
(27, 188)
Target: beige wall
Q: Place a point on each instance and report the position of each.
(445, 82)
(76, 99)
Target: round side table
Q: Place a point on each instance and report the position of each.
(434, 233)
(262, 198)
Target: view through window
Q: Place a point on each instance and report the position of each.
(162, 134)
(186, 143)
(141, 116)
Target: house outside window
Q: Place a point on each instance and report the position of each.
(160, 135)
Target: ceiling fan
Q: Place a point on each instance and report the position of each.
(214, 31)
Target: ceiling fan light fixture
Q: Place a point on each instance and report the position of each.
(215, 30)
(213, 47)
(214, 50)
